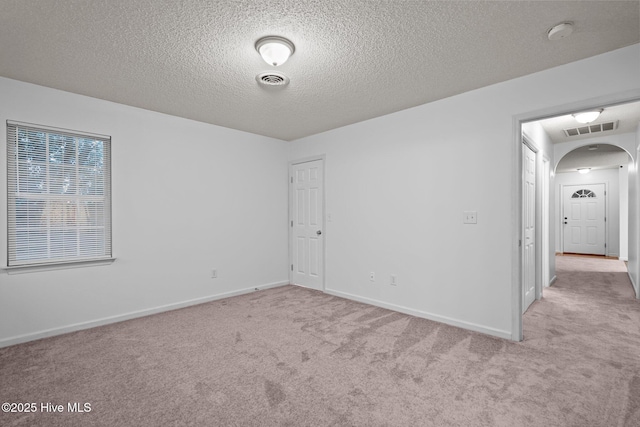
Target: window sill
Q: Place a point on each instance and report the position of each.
(57, 266)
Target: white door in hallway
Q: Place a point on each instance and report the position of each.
(529, 227)
(583, 219)
(307, 219)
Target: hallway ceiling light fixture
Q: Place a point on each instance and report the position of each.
(587, 116)
(584, 170)
(275, 50)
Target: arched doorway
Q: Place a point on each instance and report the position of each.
(592, 201)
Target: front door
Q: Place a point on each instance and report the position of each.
(529, 227)
(584, 219)
(307, 219)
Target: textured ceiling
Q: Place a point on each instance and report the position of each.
(354, 59)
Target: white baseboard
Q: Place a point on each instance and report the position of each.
(635, 285)
(623, 258)
(430, 316)
(132, 315)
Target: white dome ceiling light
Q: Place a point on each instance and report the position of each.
(560, 31)
(275, 50)
(587, 116)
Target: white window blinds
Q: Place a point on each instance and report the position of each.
(59, 195)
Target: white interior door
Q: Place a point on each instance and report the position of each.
(529, 227)
(307, 219)
(584, 219)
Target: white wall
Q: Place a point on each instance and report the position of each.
(396, 187)
(626, 141)
(187, 197)
(623, 182)
(634, 218)
(609, 177)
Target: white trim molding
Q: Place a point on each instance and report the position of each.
(132, 315)
(425, 315)
(634, 284)
(32, 268)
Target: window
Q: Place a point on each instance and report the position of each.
(580, 194)
(59, 195)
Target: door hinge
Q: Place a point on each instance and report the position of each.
(519, 243)
(605, 245)
(292, 180)
(292, 223)
(291, 267)
(605, 219)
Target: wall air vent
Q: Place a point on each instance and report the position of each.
(591, 128)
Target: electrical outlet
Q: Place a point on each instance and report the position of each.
(214, 274)
(372, 276)
(394, 280)
(470, 217)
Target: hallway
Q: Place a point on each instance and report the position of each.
(589, 315)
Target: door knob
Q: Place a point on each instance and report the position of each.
(565, 223)
(318, 232)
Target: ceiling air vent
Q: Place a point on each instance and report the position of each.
(272, 79)
(589, 129)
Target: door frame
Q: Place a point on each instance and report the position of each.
(545, 232)
(537, 266)
(516, 186)
(292, 163)
(606, 213)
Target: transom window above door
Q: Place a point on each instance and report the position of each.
(580, 194)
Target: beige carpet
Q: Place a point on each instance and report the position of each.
(295, 357)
